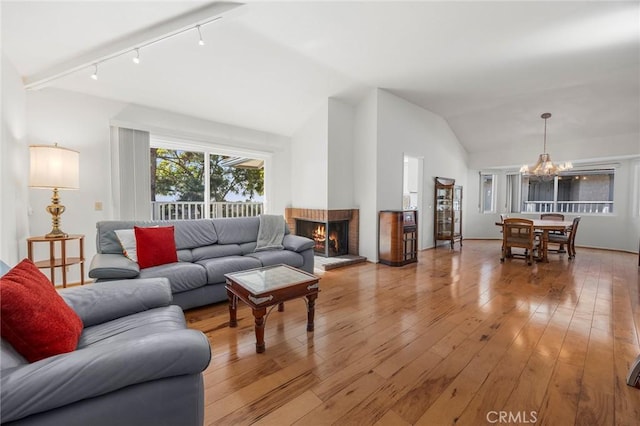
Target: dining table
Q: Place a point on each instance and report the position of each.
(544, 226)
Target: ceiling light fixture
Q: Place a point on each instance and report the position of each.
(544, 167)
(95, 72)
(136, 59)
(201, 41)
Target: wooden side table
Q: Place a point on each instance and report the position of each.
(58, 262)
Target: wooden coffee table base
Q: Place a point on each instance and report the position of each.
(264, 288)
(260, 316)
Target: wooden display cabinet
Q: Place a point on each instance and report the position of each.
(448, 211)
(398, 237)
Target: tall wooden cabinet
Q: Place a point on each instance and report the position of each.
(448, 211)
(398, 237)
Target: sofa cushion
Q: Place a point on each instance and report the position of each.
(236, 230)
(188, 233)
(34, 319)
(216, 250)
(9, 357)
(155, 246)
(185, 255)
(297, 243)
(127, 238)
(133, 327)
(182, 276)
(248, 247)
(111, 266)
(276, 257)
(216, 268)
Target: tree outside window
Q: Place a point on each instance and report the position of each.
(181, 177)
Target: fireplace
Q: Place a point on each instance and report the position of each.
(331, 238)
(335, 232)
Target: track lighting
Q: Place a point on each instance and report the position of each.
(201, 42)
(136, 58)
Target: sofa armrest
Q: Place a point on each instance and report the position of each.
(101, 302)
(297, 243)
(113, 266)
(97, 370)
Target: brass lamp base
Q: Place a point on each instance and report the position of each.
(56, 233)
(55, 209)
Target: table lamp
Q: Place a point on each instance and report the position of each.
(57, 168)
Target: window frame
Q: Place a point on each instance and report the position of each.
(208, 149)
(606, 210)
(483, 196)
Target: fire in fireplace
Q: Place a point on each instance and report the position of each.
(331, 238)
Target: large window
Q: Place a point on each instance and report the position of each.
(586, 191)
(195, 184)
(487, 193)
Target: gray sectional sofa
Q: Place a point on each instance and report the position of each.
(207, 249)
(136, 363)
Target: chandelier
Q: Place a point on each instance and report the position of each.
(544, 167)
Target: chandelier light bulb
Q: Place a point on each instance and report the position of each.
(94, 76)
(136, 59)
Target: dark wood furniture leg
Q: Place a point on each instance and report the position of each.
(281, 307)
(233, 309)
(259, 316)
(545, 241)
(311, 310)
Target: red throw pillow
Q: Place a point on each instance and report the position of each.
(155, 246)
(33, 316)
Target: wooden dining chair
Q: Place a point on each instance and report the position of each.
(555, 216)
(503, 216)
(567, 239)
(519, 233)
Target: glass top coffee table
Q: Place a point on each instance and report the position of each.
(266, 287)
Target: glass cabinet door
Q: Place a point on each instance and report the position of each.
(448, 211)
(457, 211)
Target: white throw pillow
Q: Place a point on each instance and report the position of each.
(127, 239)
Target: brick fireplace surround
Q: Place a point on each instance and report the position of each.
(319, 215)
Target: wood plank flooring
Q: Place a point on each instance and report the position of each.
(458, 338)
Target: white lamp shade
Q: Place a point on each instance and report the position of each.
(54, 167)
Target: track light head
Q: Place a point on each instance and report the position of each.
(201, 41)
(95, 72)
(136, 59)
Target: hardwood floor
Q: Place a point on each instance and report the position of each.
(458, 338)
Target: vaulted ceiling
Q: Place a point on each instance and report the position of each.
(489, 68)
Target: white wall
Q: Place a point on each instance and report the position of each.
(14, 167)
(340, 155)
(79, 122)
(82, 122)
(386, 128)
(405, 128)
(310, 156)
(583, 150)
(365, 196)
(322, 153)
